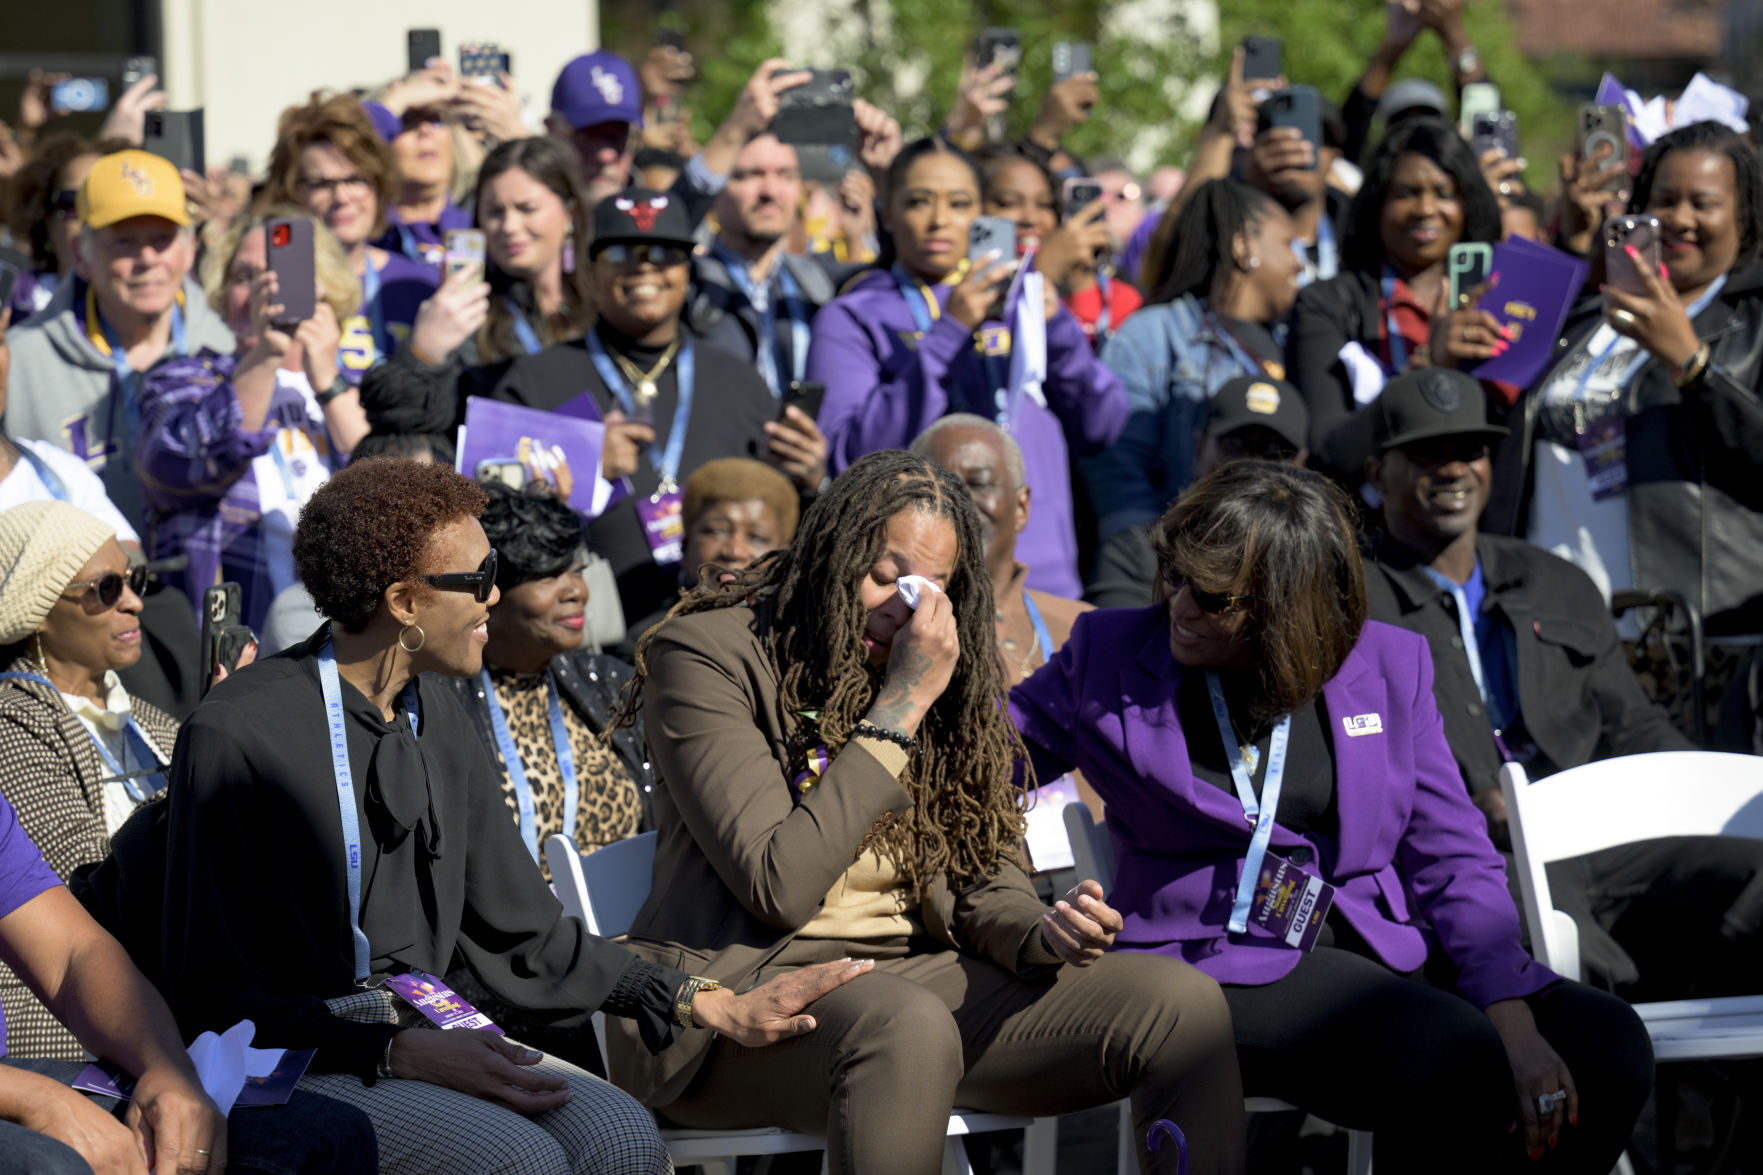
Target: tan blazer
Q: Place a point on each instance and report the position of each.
(740, 868)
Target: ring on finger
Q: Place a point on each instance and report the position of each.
(1546, 1102)
(1625, 317)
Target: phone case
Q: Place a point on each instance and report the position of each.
(79, 95)
(1261, 58)
(222, 608)
(177, 135)
(1601, 126)
(1496, 130)
(1071, 58)
(818, 111)
(807, 395)
(1079, 193)
(422, 45)
(463, 247)
(1477, 98)
(136, 68)
(998, 45)
(1622, 233)
(1300, 107)
(485, 60)
(989, 234)
(1468, 266)
(291, 260)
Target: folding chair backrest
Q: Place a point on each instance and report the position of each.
(1090, 845)
(1616, 802)
(607, 887)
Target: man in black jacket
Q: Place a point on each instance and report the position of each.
(1528, 668)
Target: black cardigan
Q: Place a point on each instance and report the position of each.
(256, 909)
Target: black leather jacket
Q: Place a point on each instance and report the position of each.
(1695, 463)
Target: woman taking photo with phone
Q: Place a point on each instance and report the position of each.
(835, 776)
(921, 336)
(1255, 737)
(329, 160)
(1639, 457)
(1423, 193)
(233, 445)
(1216, 312)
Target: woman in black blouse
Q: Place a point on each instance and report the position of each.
(309, 857)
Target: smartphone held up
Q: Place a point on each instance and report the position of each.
(1631, 252)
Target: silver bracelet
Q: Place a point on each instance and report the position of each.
(385, 1069)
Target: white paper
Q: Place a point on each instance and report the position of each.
(912, 589)
(224, 1061)
(1049, 846)
(1028, 343)
(1704, 99)
(1365, 372)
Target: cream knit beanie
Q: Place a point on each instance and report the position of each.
(43, 545)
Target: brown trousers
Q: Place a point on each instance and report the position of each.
(895, 1050)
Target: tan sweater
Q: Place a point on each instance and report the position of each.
(868, 900)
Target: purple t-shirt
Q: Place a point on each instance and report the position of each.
(23, 875)
(375, 332)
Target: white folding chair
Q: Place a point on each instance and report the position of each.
(1094, 850)
(1616, 802)
(605, 889)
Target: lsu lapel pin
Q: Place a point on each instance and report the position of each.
(1360, 724)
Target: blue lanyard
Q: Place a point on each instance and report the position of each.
(1398, 346)
(1042, 636)
(1471, 643)
(149, 758)
(1249, 364)
(768, 359)
(408, 244)
(666, 463)
(345, 777)
(128, 380)
(919, 300)
(523, 792)
(523, 330)
(50, 479)
(1259, 813)
(1641, 359)
(370, 306)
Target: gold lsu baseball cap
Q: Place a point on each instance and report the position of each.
(132, 183)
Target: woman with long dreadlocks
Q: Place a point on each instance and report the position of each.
(836, 775)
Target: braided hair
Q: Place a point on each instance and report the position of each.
(966, 818)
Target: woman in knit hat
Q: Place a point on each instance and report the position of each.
(78, 754)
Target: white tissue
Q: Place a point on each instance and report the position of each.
(1365, 372)
(912, 587)
(223, 1062)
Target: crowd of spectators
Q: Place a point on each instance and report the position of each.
(936, 472)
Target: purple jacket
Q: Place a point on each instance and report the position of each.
(1411, 842)
(884, 386)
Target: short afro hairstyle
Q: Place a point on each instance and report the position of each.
(535, 534)
(370, 527)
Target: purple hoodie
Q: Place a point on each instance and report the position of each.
(884, 385)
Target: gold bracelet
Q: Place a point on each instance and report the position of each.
(1694, 368)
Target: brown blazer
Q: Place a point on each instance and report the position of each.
(739, 867)
(51, 774)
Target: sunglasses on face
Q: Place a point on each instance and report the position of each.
(664, 256)
(481, 582)
(65, 203)
(1211, 603)
(109, 586)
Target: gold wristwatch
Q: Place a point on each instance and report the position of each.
(682, 1000)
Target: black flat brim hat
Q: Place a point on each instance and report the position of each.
(1426, 403)
(638, 216)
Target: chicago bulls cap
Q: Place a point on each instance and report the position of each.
(640, 216)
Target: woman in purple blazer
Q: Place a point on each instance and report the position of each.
(1372, 964)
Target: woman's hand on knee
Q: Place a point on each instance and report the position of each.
(773, 1011)
(1082, 927)
(1537, 1072)
(481, 1063)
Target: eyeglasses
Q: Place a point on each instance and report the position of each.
(109, 586)
(334, 186)
(481, 582)
(420, 116)
(1211, 603)
(662, 256)
(65, 204)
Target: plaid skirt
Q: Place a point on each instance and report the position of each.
(421, 1127)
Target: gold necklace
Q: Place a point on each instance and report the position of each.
(1007, 645)
(644, 381)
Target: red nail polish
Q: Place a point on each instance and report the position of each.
(1573, 1121)
(1536, 1156)
(1553, 1142)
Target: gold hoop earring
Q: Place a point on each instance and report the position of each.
(421, 638)
(42, 662)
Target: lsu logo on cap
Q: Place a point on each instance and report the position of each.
(611, 89)
(138, 179)
(1262, 398)
(1362, 724)
(643, 214)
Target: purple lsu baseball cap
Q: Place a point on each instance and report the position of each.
(598, 87)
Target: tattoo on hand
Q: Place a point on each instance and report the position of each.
(894, 706)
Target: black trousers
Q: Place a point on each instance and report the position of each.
(1356, 1044)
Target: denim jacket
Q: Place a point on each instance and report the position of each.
(1172, 362)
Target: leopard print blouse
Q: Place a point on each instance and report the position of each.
(608, 804)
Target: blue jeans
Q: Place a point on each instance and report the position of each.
(311, 1135)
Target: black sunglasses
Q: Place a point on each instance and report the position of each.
(109, 585)
(65, 203)
(661, 256)
(481, 582)
(1212, 603)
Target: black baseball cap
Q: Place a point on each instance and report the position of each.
(1256, 401)
(1427, 402)
(638, 216)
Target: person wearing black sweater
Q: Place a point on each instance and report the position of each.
(285, 907)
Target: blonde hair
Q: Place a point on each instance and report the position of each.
(342, 289)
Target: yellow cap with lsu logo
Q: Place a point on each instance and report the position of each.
(132, 183)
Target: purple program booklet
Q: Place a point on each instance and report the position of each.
(272, 1089)
(1535, 288)
(519, 446)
